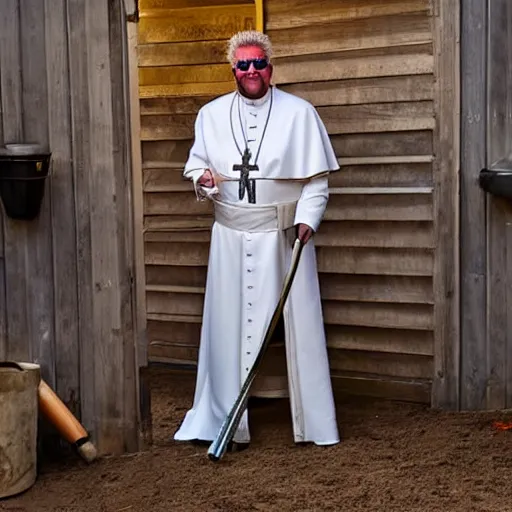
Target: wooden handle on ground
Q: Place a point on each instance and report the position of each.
(59, 415)
(65, 422)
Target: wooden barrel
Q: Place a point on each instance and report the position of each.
(18, 426)
(271, 380)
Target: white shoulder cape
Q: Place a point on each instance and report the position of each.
(295, 146)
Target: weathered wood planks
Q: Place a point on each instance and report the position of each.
(414, 59)
(344, 260)
(369, 68)
(180, 54)
(365, 91)
(378, 363)
(63, 228)
(283, 14)
(358, 34)
(16, 344)
(80, 163)
(399, 234)
(379, 145)
(445, 390)
(486, 275)
(382, 117)
(66, 295)
(148, 5)
(192, 24)
(184, 74)
(405, 176)
(473, 234)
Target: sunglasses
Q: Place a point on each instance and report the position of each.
(244, 65)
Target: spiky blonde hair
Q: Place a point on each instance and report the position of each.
(249, 38)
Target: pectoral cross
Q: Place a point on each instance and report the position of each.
(245, 183)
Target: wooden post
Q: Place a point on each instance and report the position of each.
(260, 21)
(80, 150)
(106, 380)
(445, 389)
(11, 130)
(63, 226)
(498, 343)
(109, 378)
(15, 233)
(133, 106)
(473, 207)
(39, 293)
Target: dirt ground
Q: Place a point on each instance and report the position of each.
(393, 457)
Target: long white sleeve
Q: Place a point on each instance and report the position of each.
(198, 162)
(198, 157)
(312, 203)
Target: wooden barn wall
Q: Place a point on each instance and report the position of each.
(65, 278)
(369, 67)
(486, 220)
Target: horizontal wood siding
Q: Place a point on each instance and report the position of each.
(368, 67)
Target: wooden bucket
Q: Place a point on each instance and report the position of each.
(18, 426)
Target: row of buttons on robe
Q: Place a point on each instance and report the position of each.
(251, 137)
(249, 280)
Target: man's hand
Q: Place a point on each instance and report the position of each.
(206, 180)
(304, 233)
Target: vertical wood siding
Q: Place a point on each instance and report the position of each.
(370, 70)
(486, 242)
(65, 278)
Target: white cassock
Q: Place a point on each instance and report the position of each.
(250, 253)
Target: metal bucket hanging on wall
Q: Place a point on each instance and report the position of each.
(23, 172)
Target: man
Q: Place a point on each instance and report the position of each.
(262, 156)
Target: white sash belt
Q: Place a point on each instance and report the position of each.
(254, 218)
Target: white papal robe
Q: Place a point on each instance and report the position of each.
(248, 261)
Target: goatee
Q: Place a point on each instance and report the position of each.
(252, 96)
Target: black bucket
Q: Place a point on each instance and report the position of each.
(22, 183)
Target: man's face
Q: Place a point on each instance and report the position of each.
(252, 83)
